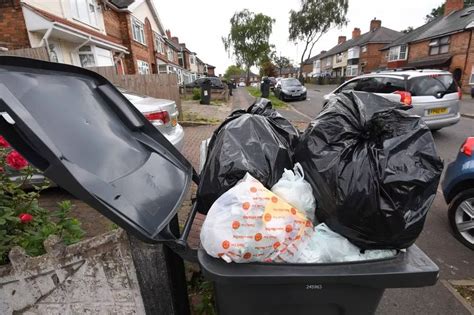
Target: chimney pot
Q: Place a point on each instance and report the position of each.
(355, 32)
(341, 39)
(375, 24)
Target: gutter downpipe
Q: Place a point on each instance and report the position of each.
(44, 40)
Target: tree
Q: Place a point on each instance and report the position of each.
(233, 70)
(407, 30)
(267, 68)
(313, 20)
(281, 62)
(439, 10)
(248, 39)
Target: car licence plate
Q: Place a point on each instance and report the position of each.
(174, 122)
(295, 94)
(438, 111)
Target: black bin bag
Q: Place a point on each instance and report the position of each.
(373, 168)
(257, 140)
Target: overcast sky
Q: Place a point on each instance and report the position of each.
(201, 24)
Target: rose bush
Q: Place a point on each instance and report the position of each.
(22, 221)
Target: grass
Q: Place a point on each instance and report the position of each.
(275, 101)
(192, 116)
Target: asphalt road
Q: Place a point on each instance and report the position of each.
(455, 261)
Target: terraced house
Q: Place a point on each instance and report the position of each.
(126, 34)
(358, 55)
(444, 43)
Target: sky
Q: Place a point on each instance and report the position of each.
(201, 24)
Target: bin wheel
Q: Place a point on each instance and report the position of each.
(461, 217)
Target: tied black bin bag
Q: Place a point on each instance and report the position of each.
(373, 168)
(257, 140)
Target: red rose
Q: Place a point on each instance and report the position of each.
(16, 160)
(4, 143)
(25, 217)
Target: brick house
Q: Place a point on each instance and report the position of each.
(358, 55)
(444, 43)
(72, 30)
(312, 66)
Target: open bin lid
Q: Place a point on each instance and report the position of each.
(78, 129)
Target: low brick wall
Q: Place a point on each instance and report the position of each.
(95, 276)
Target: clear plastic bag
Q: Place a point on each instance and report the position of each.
(294, 189)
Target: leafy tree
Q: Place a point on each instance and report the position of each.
(407, 30)
(267, 68)
(313, 20)
(439, 10)
(233, 70)
(281, 62)
(248, 39)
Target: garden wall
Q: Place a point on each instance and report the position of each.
(95, 276)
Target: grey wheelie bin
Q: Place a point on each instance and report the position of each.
(78, 129)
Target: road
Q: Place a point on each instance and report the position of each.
(455, 261)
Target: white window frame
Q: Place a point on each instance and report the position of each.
(94, 51)
(92, 16)
(339, 57)
(328, 62)
(143, 67)
(398, 53)
(170, 53)
(138, 31)
(353, 52)
(364, 48)
(192, 59)
(159, 45)
(471, 79)
(352, 71)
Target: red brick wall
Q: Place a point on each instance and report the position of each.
(13, 33)
(372, 57)
(469, 62)
(307, 68)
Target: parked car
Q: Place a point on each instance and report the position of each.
(289, 89)
(273, 82)
(433, 94)
(216, 83)
(458, 190)
(163, 114)
(242, 84)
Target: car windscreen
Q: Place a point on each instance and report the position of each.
(292, 82)
(432, 85)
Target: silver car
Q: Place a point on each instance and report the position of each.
(433, 94)
(163, 114)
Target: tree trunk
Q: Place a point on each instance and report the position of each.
(248, 76)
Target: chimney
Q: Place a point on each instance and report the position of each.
(168, 34)
(453, 5)
(341, 39)
(355, 32)
(376, 24)
(175, 39)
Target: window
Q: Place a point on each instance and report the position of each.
(391, 85)
(55, 52)
(431, 85)
(471, 80)
(143, 67)
(373, 85)
(191, 59)
(349, 86)
(339, 58)
(328, 62)
(364, 48)
(439, 46)
(158, 43)
(353, 53)
(162, 68)
(398, 53)
(138, 31)
(170, 54)
(352, 71)
(85, 11)
(86, 56)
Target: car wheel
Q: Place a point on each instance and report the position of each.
(461, 217)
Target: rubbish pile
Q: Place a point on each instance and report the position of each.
(356, 185)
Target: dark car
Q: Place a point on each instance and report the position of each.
(458, 190)
(289, 89)
(216, 83)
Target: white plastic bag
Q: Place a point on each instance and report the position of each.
(249, 223)
(295, 190)
(327, 246)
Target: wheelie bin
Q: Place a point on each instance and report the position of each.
(76, 127)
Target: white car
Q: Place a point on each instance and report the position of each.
(433, 94)
(163, 114)
(242, 84)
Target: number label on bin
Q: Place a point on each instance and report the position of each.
(314, 287)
